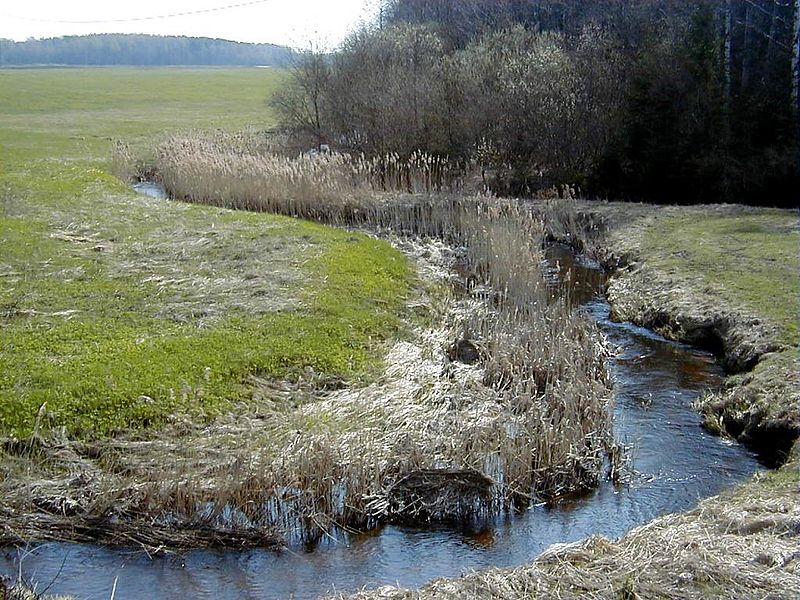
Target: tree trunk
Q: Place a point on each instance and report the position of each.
(729, 20)
(772, 38)
(796, 62)
(796, 82)
(747, 48)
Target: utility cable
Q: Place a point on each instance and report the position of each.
(137, 19)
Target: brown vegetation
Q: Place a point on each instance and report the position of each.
(743, 544)
(20, 591)
(432, 438)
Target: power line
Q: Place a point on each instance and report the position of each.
(137, 19)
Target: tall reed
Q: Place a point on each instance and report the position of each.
(434, 438)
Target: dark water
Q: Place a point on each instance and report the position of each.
(676, 465)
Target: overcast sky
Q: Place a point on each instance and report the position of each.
(294, 23)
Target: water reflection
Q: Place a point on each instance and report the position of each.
(151, 188)
(676, 463)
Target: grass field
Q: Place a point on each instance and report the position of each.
(750, 259)
(117, 310)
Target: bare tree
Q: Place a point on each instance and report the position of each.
(729, 23)
(387, 91)
(796, 83)
(300, 103)
(796, 63)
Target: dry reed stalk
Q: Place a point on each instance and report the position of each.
(21, 591)
(532, 416)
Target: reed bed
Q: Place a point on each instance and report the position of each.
(243, 173)
(10, 590)
(442, 435)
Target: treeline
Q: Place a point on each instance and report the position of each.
(145, 50)
(660, 100)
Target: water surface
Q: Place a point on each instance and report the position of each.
(676, 464)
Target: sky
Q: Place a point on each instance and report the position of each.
(296, 23)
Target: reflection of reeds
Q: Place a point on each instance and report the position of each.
(741, 544)
(433, 439)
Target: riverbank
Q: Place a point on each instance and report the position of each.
(741, 544)
(128, 324)
(724, 278)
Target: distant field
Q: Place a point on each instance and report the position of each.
(74, 112)
(116, 310)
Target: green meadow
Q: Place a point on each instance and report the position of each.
(749, 259)
(119, 311)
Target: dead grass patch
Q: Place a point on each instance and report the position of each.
(308, 457)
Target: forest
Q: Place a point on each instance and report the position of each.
(665, 101)
(141, 50)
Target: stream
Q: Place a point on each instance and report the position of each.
(675, 462)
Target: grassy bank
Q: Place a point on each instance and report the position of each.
(118, 310)
(744, 264)
(748, 258)
(122, 315)
(721, 277)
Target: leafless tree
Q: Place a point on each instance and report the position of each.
(300, 103)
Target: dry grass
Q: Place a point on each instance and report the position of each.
(248, 171)
(741, 545)
(21, 591)
(536, 350)
(304, 460)
(432, 439)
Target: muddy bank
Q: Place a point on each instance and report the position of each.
(741, 544)
(667, 283)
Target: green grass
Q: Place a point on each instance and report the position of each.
(750, 258)
(117, 311)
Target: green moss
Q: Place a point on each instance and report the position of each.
(117, 311)
(750, 258)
